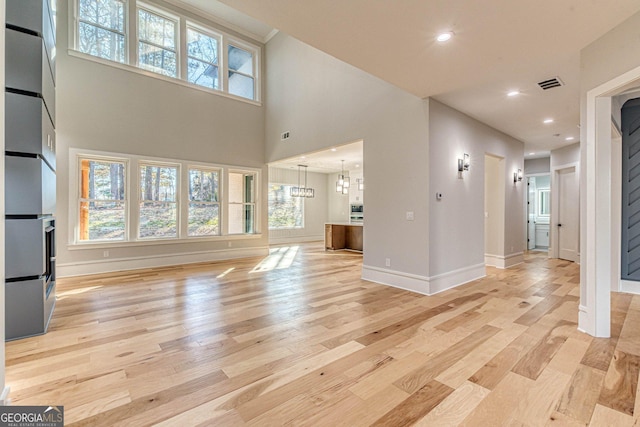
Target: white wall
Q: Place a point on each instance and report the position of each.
(322, 102)
(3, 390)
(315, 213)
(338, 209)
(100, 107)
(494, 203)
(457, 221)
(535, 166)
(565, 156)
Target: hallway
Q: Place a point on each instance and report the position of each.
(299, 338)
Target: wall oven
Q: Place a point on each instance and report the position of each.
(357, 212)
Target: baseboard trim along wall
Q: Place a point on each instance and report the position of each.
(294, 239)
(422, 284)
(397, 279)
(4, 397)
(452, 279)
(123, 264)
(507, 261)
(630, 287)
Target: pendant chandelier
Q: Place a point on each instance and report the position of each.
(343, 183)
(302, 191)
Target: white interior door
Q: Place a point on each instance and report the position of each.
(568, 214)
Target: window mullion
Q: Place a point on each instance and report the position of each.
(182, 48)
(224, 69)
(132, 32)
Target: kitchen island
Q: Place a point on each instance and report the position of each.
(343, 236)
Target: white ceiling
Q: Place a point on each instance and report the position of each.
(327, 161)
(499, 45)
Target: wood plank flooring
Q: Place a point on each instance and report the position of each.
(299, 339)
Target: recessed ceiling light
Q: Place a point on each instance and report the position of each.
(569, 138)
(547, 121)
(444, 37)
(513, 93)
(334, 149)
(357, 166)
(302, 157)
(532, 154)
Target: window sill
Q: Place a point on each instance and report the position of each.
(136, 70)
(156, 242)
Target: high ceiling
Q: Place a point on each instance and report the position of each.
(498, 46)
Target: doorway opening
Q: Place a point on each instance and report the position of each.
(538, 212)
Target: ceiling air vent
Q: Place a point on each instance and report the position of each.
(551, 83)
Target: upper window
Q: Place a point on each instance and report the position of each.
(241, 81)
(102, 200)
(101, 28)
(202, 63)
(284, 211)
(157, 43)
(167, 44)
(158, 201)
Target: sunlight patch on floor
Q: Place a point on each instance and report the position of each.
(278, 259)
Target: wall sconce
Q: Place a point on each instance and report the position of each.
(517, 176)
(463, 164)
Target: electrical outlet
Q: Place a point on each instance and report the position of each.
(105, 254)
(409, 216)
(387, 262)
(229, 244)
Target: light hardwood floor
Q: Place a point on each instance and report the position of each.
(300, 339)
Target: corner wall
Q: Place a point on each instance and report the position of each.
(457, 221)
(4, 391)
(105, 108)
(324, 102)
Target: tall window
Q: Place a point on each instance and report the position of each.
(158, 201)
(202, 61)
(157, 43)
(241, 203)
(102, 200)
(284, 211)
(204, 202)
(101, 28)
(241, 79)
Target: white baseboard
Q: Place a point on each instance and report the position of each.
(452, 279)
(629, 286)
(135, 263)
(4, 397)
(583, 319)
(503, 262)
(422, 284)
(295, 239)
(397, 279)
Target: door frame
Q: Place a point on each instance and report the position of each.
(554, 242)
(526, 207)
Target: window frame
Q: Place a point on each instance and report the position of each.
(176, 202)
(177, 42)
(132, 200)
(76, 32)
(79, 199)
(254, 203)
(184, 21)
(219, 203)
(191, 25)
